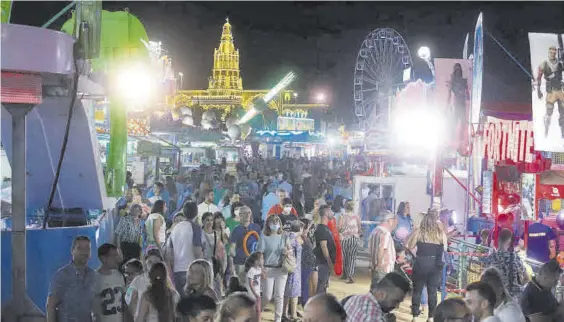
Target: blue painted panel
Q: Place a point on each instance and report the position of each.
(47, 251)
(80, 183)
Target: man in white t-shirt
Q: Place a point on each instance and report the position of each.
(109, 288)
(184, 245)
(206, 206)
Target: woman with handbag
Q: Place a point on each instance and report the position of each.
(214, 251)
(278, 261)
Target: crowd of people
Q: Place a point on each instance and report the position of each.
(223, 247)
(275, 237)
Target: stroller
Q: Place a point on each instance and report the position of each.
(404, 260)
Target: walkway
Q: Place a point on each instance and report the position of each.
(341, 289)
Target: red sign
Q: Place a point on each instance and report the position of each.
(550, 192)
(511, 143)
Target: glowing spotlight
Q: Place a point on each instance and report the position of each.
(320, 97)
(295, 95)
(424, 53)
(331, 140)
(135, 84)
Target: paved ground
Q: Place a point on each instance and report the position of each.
(341, 289)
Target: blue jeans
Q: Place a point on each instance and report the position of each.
(322, 278)
(306, 272)
(180, 282)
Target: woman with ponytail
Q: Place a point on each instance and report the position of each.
(158, 303)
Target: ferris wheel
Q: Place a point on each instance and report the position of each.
(383, 64)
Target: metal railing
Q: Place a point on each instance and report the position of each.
(464, 263)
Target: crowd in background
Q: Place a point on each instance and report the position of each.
(209, 244)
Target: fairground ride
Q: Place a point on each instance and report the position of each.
(383, 66)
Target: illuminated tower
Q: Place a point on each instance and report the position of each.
(226, 78)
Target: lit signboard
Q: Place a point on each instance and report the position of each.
(286, 123)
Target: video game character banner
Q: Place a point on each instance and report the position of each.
(547, 60)
(453, 83)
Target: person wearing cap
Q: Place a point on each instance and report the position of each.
(381, 247)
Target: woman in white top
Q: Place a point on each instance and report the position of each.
(158, 303)
(140, 283)
(155, 225)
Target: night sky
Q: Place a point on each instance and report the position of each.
(320, 40)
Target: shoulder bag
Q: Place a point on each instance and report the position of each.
(288, 259)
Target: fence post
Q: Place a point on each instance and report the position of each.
(444, 283)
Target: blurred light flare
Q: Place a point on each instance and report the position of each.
(287, 80)
(418, 128)
(135, 84)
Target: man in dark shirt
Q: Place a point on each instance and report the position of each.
(325, 250)
(238, 236)
(538, 242)
(537, 301)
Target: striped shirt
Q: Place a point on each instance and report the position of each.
(382, 250)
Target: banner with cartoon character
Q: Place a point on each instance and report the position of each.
(547, 61)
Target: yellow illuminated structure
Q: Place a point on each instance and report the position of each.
(225, 87)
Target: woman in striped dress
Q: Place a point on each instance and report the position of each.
(350, 232)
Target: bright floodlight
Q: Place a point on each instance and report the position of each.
(424, 53)
(331, 140)
(135, 84)
(419, 129)
(320, 97)
(295, 95)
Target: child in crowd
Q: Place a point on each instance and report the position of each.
(253, 270)
(131, 269)
(484, 234)
(196, 309)
(403, 264)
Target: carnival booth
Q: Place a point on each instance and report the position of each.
(515, 195)
(549, 192)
